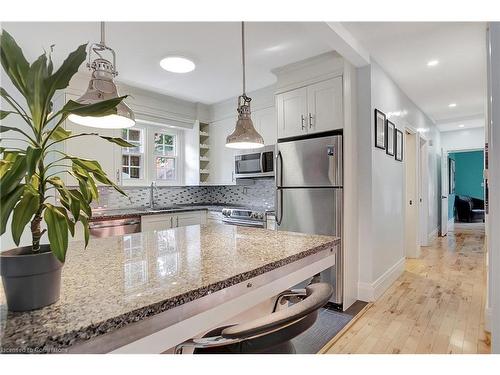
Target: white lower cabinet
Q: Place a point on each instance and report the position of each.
(167, 221)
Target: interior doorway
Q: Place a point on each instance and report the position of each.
(462, 172)
(412, 248)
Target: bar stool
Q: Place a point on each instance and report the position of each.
(270, 334)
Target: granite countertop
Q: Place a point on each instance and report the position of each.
(142, 211)
(120, 280)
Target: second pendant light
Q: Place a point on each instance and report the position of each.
(244, 135)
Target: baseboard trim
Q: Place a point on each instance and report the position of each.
(487, 319)
(371, 292)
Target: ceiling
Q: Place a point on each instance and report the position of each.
(215, 47)
(404, 48)
(466, 123)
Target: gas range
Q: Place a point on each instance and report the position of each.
(249, 217)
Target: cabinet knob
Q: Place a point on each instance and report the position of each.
(303, 122)
(310, 120)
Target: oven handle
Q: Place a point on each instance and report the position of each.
(244, 223)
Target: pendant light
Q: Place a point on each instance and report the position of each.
(101, 87)
(244, 135)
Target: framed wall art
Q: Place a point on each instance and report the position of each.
(399, 145)
(379, 129)
(390, 130)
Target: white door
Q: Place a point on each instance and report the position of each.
(221, 157)
(157, 222)
(188, 218)
(292, 112)
(324, 106)
(412, 250)
(444, 193)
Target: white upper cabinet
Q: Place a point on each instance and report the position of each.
(221, 157)
(291, 110)
(324, 105)
(311, 109)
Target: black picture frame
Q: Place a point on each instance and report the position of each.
(379, 129)
(390, 138)
(398, 145)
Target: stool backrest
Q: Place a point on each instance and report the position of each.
(317, 295)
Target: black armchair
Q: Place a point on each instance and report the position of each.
(469, 209)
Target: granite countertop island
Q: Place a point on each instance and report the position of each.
(118, 281)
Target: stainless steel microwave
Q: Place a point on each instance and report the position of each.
(254, 164)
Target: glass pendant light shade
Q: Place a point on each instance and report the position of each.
(101, 87)
(244, 135)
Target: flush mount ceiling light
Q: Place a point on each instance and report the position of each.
(461, 125)
(433, 63)
(101, 88)
(452, 105)
(244, 135)
(177, 64)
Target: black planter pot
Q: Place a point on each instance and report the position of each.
(30, 281)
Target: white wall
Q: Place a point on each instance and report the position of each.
(382, 182)
(465, 139)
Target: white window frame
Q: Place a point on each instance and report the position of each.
(179, 157)
(142, 167)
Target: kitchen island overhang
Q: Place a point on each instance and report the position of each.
(147, 292)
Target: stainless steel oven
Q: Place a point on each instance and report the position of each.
(244, 217)
(254, 164)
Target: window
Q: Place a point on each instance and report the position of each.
(165, 156)
(133, 157)
(156, 155)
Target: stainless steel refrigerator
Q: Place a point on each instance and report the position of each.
(309, 192)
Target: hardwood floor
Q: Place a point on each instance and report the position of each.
(436, 306)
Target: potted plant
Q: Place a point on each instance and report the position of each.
(30, 175)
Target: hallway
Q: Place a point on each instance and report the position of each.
(436, 306)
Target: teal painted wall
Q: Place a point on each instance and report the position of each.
(468, 176)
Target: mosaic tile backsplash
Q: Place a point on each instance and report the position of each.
(258, 193)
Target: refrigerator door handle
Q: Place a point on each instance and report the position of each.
(279, 167)
(279, 193)
(279, 206)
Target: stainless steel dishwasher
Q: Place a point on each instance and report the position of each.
(114, 227)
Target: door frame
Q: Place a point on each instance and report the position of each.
(446, 153)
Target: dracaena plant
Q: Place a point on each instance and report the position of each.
(31, 175)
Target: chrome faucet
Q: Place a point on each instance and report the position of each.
(152, 190)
